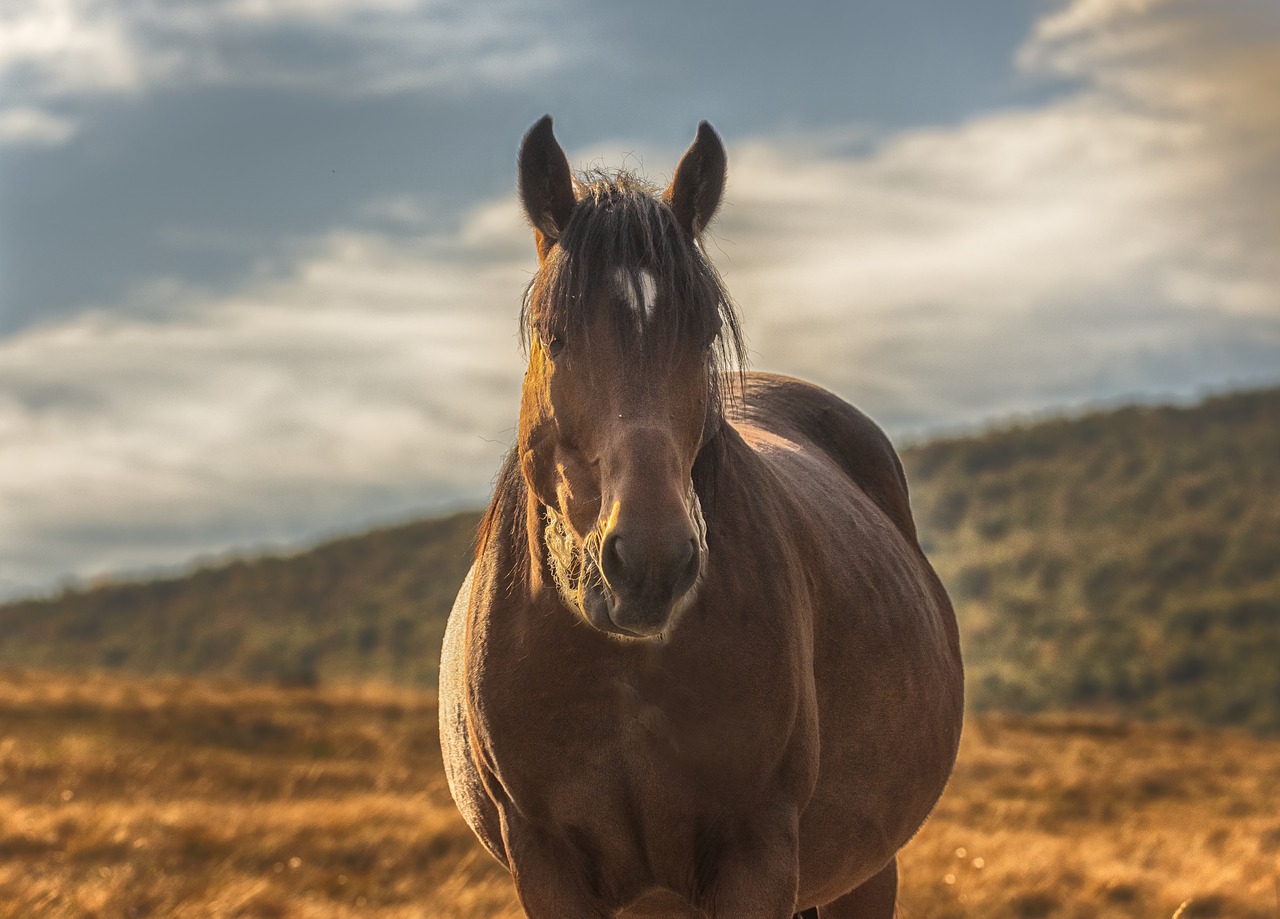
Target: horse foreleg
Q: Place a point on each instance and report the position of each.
(875, 899)
(549, 878)
(552, 895)
(756, 877)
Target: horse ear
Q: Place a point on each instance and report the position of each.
(546, 187)
(695, 191)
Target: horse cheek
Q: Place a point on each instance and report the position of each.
(539, 474)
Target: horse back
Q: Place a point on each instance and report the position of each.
(809, 414)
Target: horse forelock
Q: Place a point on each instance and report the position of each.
(621, 236)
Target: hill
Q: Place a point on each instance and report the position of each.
(1126, 560)
(179, 798)
(364, 607)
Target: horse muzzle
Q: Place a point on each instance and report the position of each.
(637, 591)
(630, 581)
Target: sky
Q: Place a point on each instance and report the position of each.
(261, 260)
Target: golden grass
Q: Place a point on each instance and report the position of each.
(126, 797)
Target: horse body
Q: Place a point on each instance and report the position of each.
(773, 744)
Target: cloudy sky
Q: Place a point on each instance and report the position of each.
(260, 260)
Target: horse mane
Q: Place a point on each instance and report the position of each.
(504, 510)
(621, 221)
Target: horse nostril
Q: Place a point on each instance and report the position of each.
(692, 563)
(686, 558)
(627, 566)
(612, 562)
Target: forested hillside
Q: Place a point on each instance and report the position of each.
(1126, 560)
(360, 608)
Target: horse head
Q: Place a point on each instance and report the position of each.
(626, 323)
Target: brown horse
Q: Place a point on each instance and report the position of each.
(700, 666)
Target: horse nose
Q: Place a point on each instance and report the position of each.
(655, 568)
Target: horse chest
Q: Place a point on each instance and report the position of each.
(639, 788)
(637, 750)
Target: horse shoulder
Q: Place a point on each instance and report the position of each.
(461, 765)
(810, 414)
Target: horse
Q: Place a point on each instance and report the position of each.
(700, 665)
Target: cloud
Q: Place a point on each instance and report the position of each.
(32, 127)
(372, 378)
(53, 47)
(1120, 239)
(58, 49)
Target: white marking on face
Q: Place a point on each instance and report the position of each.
(640, 291)
(648, 293)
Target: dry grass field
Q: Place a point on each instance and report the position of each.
(126, 797)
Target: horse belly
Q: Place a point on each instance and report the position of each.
(861, 814)
(890, 708)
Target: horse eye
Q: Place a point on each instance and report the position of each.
(554, 344)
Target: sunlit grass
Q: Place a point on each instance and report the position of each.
(1050, 817)
(127, 797)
